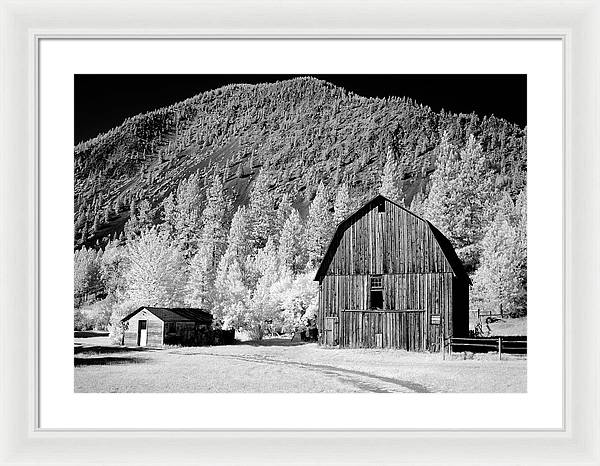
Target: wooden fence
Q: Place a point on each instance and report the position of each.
(502, 314)
(506, 345)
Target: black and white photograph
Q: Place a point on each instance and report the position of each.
(300, 233)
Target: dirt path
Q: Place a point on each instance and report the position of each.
(279, 366)
(363, 381)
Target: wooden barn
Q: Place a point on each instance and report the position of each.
(157, 326)
(390, 279)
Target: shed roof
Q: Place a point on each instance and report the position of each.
(175, 314)
(444, 243)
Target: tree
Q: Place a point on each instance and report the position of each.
(461, 199)
(96, 225)
(232, 279)
(232, 296)
(118, 205)
(342, 205)
(230, 282)
(132, 208)
(182, 214)
(318, 228)
(198, 288)
(249, 303)
(84, 233)
(120, 310)
(390, 178)
(298, 302)
(261, 212)
(203, 267)
(284, 209)
(87, 277)
(156, 275)
(262, 305)
(113, 265)
(290, 250)
(416, 205)
(501, 279)
(141, 219)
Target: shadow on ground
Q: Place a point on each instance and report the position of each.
(89, 334)
(84, 349)
(273, 342)
(106, 360)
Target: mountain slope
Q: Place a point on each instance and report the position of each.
(302, 130)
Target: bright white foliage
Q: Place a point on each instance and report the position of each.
(87, 270)
(342, 205)
(290, 251)
(297, 301)
(390, 180)
(261, 212)
(318, 227)
(203, 266)
(156, 275)
(501, 280)
(460, 202)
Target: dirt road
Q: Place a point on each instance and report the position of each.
(278, 366)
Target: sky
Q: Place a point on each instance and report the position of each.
(104, 101)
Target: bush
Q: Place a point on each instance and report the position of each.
(81, 321)
(98, 314)
(115, 327)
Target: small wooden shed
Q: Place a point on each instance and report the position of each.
(157, 326)
(390, 279)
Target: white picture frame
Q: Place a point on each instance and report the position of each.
(23, 24)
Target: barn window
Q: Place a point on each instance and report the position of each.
(376, 282)
(381, 207)
(376, 292)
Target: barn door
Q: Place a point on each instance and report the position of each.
(411, 327)
(331, 331)
(142, 332)
(415, 328)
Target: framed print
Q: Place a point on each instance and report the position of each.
(321, 241)
(169, 201)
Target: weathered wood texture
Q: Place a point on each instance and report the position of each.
(390, 242)
(154, 329)
(418, 282)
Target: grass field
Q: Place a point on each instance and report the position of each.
(276, 365)
(502, 327)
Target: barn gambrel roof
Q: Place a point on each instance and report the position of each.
(176, 314)
(445, 245)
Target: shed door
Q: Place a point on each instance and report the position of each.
(331, 331)
(142, 332)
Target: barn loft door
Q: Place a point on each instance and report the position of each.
(331, 331)
(142, 332)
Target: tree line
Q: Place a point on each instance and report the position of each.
(252, 265)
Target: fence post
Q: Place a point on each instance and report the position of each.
(443, 348)
(478, 314)
(500, 348)
(501, 314)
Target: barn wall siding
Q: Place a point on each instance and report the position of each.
(394, 241)
(429, 294)
(418, 283)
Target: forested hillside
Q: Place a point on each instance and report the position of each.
(237, 190)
